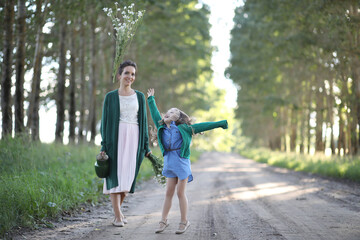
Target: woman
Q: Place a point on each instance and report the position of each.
(125, 139)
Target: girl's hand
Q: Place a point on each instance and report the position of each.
(151, 92)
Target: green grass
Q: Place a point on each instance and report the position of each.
(336, 167)
(39, 182)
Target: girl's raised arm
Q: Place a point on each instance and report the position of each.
(154, 112)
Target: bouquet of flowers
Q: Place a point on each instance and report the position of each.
(157, 164)
(125, 22)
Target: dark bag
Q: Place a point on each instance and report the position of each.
(102, 165)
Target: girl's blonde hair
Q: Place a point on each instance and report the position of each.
(183, 119)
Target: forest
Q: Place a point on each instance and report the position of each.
(295, 65)
(59, 54)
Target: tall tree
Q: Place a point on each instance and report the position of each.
(34, 98)
(72, 86)
(60, 95)
(82, 44)
(92, 81)
(7, 69)
(20, 69)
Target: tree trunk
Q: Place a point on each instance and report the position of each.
(33, 110)
(7, 69)
(82, 83)
(92, 80)
(293, 134)
(308, 132)
(20, 69)
(60, 98)
(302, 129)
(331, 116)
(72, 111)
(319, 117)
(341, 138)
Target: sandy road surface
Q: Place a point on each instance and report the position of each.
(230, 198)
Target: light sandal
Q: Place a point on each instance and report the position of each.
(162, 227)
(118, 224)
(186, 226)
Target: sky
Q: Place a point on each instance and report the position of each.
(221, 20)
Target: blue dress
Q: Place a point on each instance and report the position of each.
(174, 164)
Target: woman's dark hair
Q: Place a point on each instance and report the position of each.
(126, 64)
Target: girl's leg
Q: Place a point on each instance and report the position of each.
(115, 201)
(170, 189)
(183, 201)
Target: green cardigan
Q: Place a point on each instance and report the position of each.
(109, 133)
(186, 131)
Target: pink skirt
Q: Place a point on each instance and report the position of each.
(128, 141)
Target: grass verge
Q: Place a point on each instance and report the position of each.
(39, 182)
(336, 167)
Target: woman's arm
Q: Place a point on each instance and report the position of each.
(154, 112)
(103, 125)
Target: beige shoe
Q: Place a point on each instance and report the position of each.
(163, 225)
(118, 224)
(183, 227)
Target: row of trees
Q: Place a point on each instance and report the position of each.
(171, 47)
(297, 65)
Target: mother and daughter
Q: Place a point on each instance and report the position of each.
(124, 131)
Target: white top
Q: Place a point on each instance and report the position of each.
(129, 107)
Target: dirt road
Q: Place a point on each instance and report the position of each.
(230, 198)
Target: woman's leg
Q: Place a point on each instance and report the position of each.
(183, 201)
(122, 197)
(170, 190)
(115, 201)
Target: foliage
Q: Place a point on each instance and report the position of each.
(158, 165)
(294, 62)
(124, 30)
(336, 167)
(40, 181)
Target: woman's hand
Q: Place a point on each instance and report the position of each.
(151, 92)
(148, 154)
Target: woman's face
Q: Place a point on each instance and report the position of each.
(173, 114)
(127, 77)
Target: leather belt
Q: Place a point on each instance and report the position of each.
(170, 150)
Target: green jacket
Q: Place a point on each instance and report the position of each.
(109, 133)
(186, 131)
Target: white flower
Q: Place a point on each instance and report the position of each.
(139, 13)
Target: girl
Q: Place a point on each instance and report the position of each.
(174, 137)
(125, 138)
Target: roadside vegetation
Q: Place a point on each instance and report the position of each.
(40, 182)
(347, 167)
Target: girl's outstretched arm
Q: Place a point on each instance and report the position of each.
(206, 126)
(154, 112)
